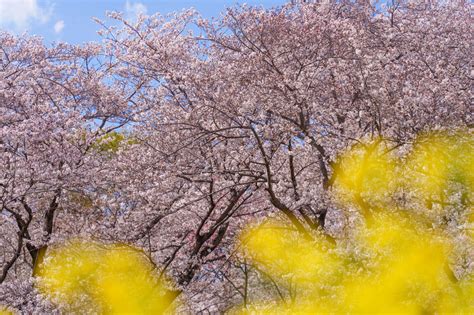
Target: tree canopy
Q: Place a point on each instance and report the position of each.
(175, 133)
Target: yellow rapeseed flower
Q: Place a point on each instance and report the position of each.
(365, 174)
(109, 279)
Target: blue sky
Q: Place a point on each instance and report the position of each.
(71, 20)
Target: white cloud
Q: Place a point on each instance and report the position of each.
(58, 26)
(134, 9)
(18, 14)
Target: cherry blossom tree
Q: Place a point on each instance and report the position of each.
(174, 132)
(54, 105)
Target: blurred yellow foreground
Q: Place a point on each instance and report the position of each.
(416, 218)
(90, 277)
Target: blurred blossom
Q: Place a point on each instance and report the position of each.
(283, 251)
(394, 261)
(442, 164)
(365, 173)
(406, 272)
(4, 311)
(88, 277)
